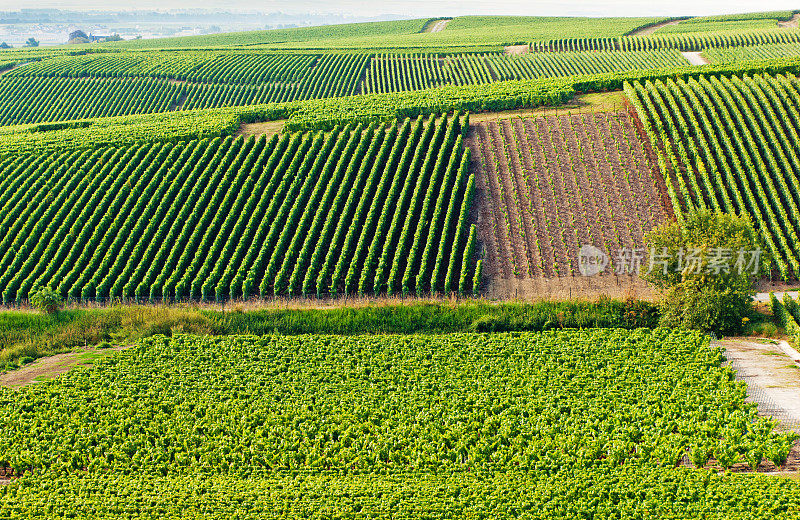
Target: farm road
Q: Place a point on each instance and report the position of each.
(772, 377)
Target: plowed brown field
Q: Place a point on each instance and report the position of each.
(549, 185)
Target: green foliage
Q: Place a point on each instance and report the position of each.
(765, 15)
(188, 407)
(571, 493)
(155, 220)
(35, 335)
(699, 292)
(740, 148)
(751, 52)
(787, 315)
(192, 380)
(46, 299)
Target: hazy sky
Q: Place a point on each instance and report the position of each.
(423, 8)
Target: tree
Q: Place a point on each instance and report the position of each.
(32, 42)
(705, 270)
(4, 45)
(77, 37)
(114, 38)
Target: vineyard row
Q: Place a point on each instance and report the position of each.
(731, 144)
(383, 209)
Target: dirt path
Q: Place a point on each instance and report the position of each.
(52, 366)
(650, 29)
(793, 23)
(763, 297)
(772, 377)
(268, 128)
(517, 50)
(695, 58)
(434, 27)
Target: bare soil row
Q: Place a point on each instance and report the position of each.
(549, 185)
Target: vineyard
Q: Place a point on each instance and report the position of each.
(547, 186)
(339, 425)
(114, 84)
(392, 73)
(265, 189)
(356, 210)
(684, 41)
(731, 144)
(58, 86)
(754, 52)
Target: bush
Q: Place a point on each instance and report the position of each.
(47, 300)
(26, 360)
(695, 294)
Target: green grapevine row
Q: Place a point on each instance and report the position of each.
(680, 41)
(195, 66)
(731, 144)
(223, 218)
(753, 52)
(394, 73)
(32, 100)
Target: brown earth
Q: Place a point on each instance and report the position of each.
(790, 24)
(517, 50)
(548, 185)
(267, 128)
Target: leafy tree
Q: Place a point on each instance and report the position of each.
(4, 45)
(32, 42)
(705, 270)
(76, 37)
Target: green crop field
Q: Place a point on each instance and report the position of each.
(335, 272)
(735, 151)
(505, 425)
(353, 210)
(754, 52)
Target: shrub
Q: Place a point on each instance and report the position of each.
(47, 300)
(695, 295)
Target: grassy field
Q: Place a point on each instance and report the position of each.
(31, 334)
